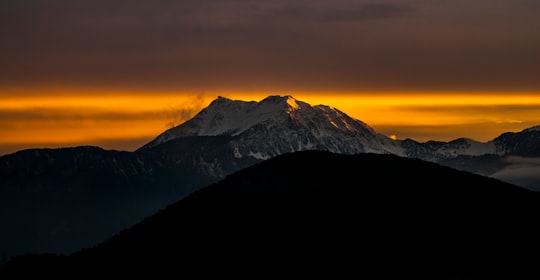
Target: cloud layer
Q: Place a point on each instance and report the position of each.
(521, 171)
(341, 45)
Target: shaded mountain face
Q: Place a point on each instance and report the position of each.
(60, 200)
(316, 212)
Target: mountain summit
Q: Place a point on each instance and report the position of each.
(278, 125)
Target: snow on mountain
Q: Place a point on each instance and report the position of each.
(437, 151)
(280, 124)
(466, 146)
(523, 143)
(229, 135)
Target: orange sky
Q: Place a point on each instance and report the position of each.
(117, 73)
(126, 122)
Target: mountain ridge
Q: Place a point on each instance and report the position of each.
(404, 216)
(281, 124)
(246, 114)
(44, 193)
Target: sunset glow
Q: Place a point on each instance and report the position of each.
(126, 122)
(99, 128)
(116, 74)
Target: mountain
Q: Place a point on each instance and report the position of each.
(524, 143)
(320, 213)
(277, 125)
(512, 157)
(46, 193)
(237, 134)
(60, 200)
(254, 131)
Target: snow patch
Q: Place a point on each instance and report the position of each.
(258, 155)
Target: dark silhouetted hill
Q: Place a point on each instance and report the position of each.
(321, 214)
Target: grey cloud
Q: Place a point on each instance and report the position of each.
(367, 12)
(140, 24)
(211, 44)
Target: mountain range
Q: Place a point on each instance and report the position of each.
(251, 131)
(316, 213)
(61, 200)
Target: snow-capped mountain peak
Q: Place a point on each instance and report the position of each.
(231, 134)
(281, 124)
(232, 117)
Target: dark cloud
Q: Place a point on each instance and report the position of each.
(366, 12)
(271, 45)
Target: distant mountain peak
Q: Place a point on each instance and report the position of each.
(281, 124)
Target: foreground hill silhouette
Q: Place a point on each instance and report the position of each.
(317, 212)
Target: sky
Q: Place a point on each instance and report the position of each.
(116, 73)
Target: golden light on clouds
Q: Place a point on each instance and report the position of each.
(125, 122)
(101, 72)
